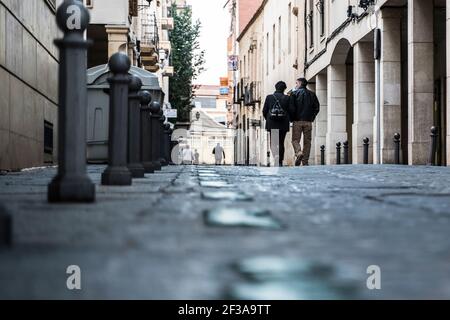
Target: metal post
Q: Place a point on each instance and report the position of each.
(134, 129)
(434, 137)
(146, 144)
(156, 113)
(72, 183)
(167, 139)
(338, 153)
(162, 157)
(117, 173)
(322, 155)
(397, 148)
(366, 142)
(346, 160)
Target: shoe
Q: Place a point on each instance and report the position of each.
(299, 160)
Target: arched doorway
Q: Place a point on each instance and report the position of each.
(340, 99)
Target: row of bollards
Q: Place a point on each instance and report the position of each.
(139, 138)
(397, 150)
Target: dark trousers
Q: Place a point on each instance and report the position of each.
(277, 147)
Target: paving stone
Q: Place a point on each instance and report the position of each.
(150, 240)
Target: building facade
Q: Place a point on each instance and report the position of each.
(139, 28)
(378, 68)
(210, 100)
(28, 84)
(270, 49)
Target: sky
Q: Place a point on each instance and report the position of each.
(214, 33)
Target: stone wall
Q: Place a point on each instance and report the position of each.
(28, 82)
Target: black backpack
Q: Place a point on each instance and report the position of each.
(276, 112)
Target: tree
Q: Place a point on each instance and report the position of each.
(187, 59)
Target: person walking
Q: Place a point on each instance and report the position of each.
(276, 113)
(196, 157)
(303, 109)
(219, 154)
(188, 156)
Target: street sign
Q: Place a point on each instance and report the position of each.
(171, 113)
(233, 63)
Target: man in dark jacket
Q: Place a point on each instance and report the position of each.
(276, 113)
(303, 109)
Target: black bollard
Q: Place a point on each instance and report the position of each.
(397, 148)
(146, 132)
(433, 149)
(322, 155)
(366, 150)
(346, 160)
(5, 228)
(134, 129)
(162, 158)
(156, 114)
(117, 173)
(72, 183)
(338, 153)
(167, 141)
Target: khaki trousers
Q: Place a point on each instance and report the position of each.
(302, 128)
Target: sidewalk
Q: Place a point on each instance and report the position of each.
(315, 232)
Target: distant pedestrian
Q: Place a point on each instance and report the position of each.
(188, 156)
(196, 157)
(276, 113)
(303, 109)
(219, 154)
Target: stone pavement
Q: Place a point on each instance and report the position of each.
(306, 233)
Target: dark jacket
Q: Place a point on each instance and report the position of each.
(270, 101)
(303, 105)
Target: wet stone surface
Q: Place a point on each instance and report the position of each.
(164, 237)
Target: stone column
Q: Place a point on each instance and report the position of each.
(321, 120)
(364, 99)
(337, 109)
(391, 86)
(421, 79)
(117, 39)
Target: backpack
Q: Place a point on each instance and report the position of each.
(276, 112)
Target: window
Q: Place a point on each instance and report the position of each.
(290, 28)
(279, 40)
(267, 54)
(321, 9)
(310, 20)
(48, 142)
(273, 47)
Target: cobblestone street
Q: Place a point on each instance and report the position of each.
(234, 232)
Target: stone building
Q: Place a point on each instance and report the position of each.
(270, 49)
(28, 83)
(378, 68)
(401, 90)
(139, 28)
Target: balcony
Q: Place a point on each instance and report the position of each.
(168, 71)
(255, 89)
(150, 43)
(167, 23)
(165, 45)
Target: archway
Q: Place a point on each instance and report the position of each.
(340, 98)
